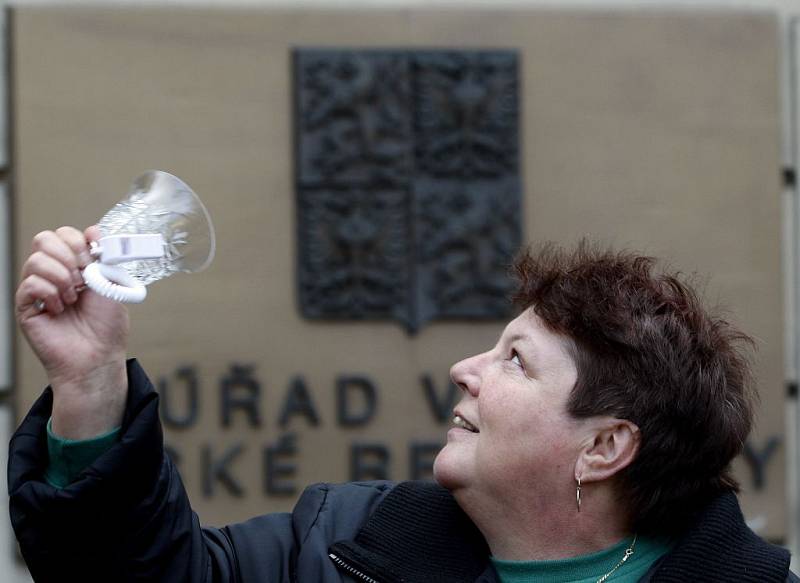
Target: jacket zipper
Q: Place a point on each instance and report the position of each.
(350, 569)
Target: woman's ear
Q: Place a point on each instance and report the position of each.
(612, 446)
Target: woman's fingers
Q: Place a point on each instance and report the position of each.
(50, 243)
(33, 288)
(53, 269)
(77, 242)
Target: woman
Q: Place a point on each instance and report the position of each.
(592, 444)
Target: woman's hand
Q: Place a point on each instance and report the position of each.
(80, 337)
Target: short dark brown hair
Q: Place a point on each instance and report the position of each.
(647, 350)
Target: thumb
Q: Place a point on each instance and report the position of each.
(92, 233)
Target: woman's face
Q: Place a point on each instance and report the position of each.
(519, 438)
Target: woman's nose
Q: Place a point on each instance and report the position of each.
(466, 374)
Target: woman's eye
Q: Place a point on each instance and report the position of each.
(515, 359)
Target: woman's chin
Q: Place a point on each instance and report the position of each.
(447, 472)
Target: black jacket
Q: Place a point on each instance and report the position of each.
(127, 518)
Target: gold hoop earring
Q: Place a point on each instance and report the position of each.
(578, 494)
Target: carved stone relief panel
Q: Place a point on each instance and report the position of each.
(408, 188)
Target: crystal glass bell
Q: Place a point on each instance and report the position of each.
(158, 229)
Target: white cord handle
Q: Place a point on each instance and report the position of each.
(114, 283)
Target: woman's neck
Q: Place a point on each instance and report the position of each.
(538, 530)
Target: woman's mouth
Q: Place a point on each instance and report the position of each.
(462, 423)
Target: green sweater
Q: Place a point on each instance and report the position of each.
(587, 568)
(68, 458)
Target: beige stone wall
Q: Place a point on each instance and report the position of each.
(655, 131)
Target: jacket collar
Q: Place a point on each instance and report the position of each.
(720, 547)
(419, 533)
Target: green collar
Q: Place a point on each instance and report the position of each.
(587, 568)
